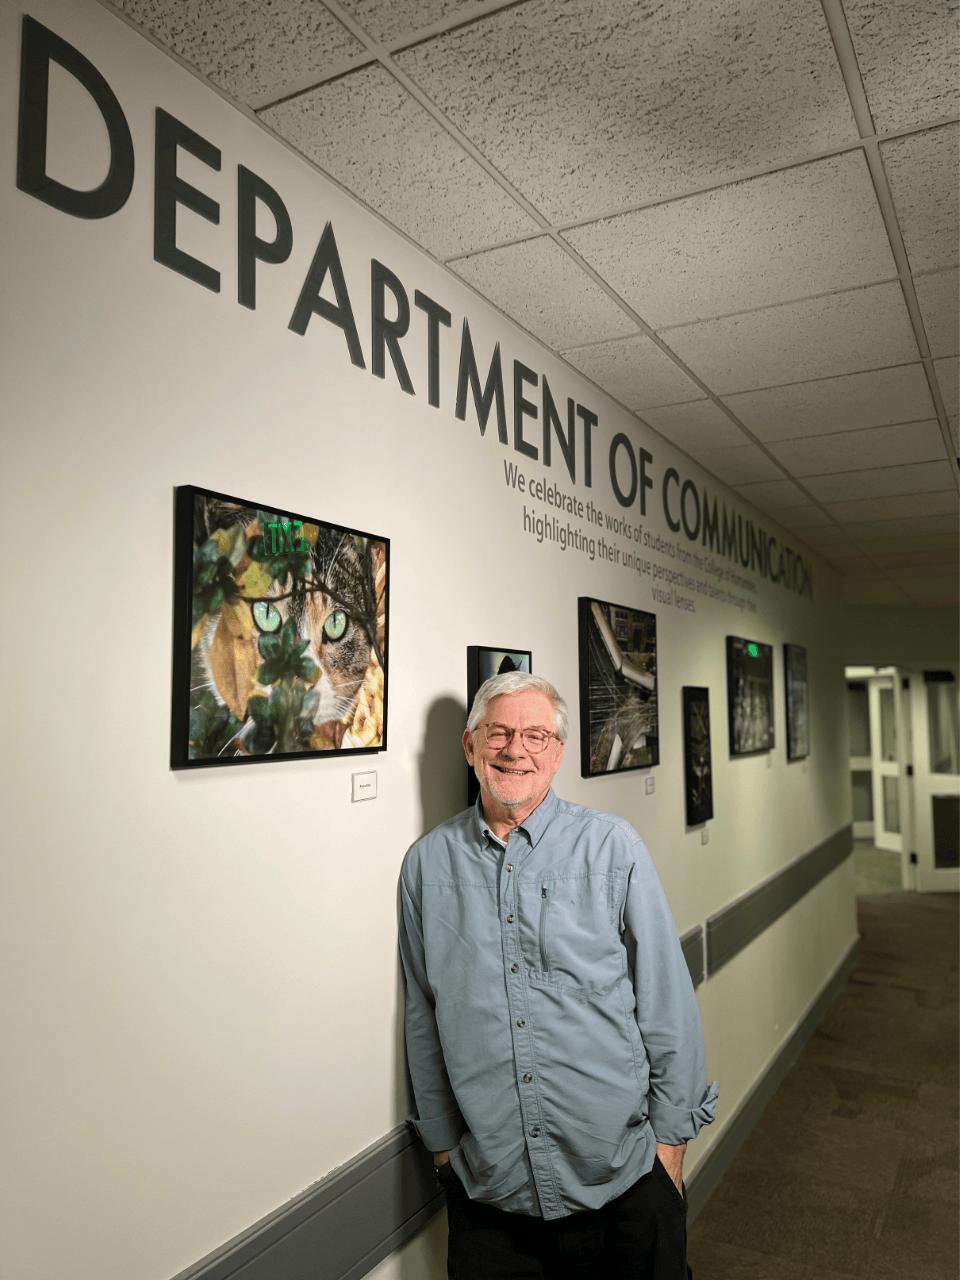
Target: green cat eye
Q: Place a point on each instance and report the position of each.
(266, 616)
(335, 625)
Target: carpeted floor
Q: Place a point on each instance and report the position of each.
(851, 1173)
(876, 870)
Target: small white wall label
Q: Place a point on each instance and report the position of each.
(651, 782)
(704, 835)
(364, 785)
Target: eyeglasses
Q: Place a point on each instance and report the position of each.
(534, 740)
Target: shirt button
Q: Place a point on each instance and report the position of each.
(509, 866)
(514, 968)
(534, 1132)
(521, 1023)
(509, 919)
(527, 1078)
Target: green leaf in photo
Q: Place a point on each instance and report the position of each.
(269, 671)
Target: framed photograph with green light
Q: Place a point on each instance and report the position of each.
(280, 634)
(749, 696)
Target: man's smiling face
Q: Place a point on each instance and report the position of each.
(510, 776)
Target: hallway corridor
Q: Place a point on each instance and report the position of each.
(851, 1172)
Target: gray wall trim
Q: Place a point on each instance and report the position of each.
(691, 943)
(704, 1179)
(736, 926)
(340, 1228)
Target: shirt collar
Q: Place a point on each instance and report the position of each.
(534, 825)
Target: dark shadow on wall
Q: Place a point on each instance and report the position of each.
(443, 767)
(443, 792)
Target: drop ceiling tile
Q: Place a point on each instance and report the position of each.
(822, 536)
(922, 172)
(818, 338)
(741, 465)
(881, 482)
(910, 526)
(811, 229)
(700, 424)
(943, 502)
(595, 105)
(842, 553)
(389, 20)
(881, 592)
(932, 589)
(908, 59)
(634, 371)
(864, 571)
(368, 133)
(250, 50)
(948, 376)
(884, 545)
(929, 559)
(804, 517)
(828, 405)
(939, 298)
(855, 450)
(842, 565)
(771, 495)
(543, 289)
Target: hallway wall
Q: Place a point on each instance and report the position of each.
(882, 635)
(202, 981)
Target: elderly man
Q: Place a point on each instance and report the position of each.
(553, 1037)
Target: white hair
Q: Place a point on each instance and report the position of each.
(518, 682)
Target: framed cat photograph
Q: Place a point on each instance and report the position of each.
(795, 675)
(697, 767)
(619, 717)
(281, 632)
(483, 662)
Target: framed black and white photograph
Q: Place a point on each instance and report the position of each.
(697, 766)
(280, 634)
(484, 661)
(795, 676)
(749, 696)
(619, 719)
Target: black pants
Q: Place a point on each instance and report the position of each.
(641, 1235)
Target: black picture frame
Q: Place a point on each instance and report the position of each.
(750, 709)
(619, 705)
(697, 761)
(796, 701)
(280, 634)
(484, 661)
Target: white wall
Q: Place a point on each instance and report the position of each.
(905, 635)
(200, 969)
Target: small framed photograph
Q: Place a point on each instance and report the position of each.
(698, 770)
(280, 634)
(484, 661)
(619, 719)
(795, 675)
(749, 696)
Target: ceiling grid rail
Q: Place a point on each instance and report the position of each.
(852, 79)
(382, 53)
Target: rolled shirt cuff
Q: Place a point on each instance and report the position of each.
(441, 1133)
(676, 1125)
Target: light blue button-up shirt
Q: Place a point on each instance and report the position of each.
(553, 1035)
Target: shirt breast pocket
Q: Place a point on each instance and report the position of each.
(578, 943)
